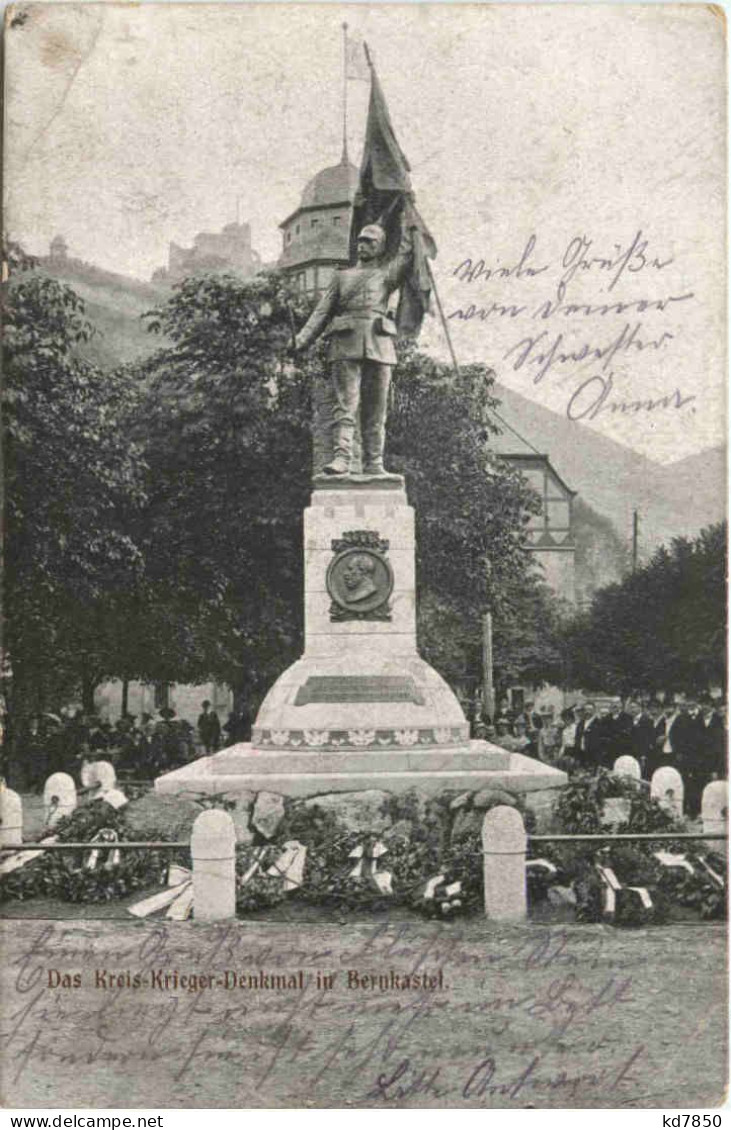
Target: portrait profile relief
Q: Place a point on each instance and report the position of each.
(359, 578)
(365, 477)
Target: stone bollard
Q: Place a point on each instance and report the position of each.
(503, 864)
(59, 798)
(627, 766)
(105, 776)
(213, 849)
(666, 787)
(101, 775)
(98, 774)
(11, 817)
(714, 813)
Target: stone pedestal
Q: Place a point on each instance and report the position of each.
(361, 683)
(360, 709)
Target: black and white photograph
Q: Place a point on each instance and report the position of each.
(363, 682)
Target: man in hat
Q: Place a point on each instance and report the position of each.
(209, 728)
(353, 313)
(588, 737)
(715, 739)
(642, 737)
(678, 736)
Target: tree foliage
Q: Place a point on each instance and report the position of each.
(72, 485)
(663, 627)
(225, 423)
(472, 510)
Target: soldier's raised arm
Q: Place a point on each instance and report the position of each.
(320, 316)
(401, 262)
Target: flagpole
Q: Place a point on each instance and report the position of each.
(344, 158)
(452, 354)
(441, 315)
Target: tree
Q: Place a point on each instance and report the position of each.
(472, 509)
(72, 485)
(225, 424)
(663, 627)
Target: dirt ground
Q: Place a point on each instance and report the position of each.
(109, 1013)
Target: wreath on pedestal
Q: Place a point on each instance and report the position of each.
(416, 863)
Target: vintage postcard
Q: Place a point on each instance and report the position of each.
(364, 622)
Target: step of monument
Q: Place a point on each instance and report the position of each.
(524, 776)
(265, 762)
(483, 766)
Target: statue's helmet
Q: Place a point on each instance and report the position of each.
(376, 234)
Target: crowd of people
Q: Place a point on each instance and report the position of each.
(689, 735)
(140, 747)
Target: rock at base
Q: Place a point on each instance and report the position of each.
(469, 818)
(169, 816)
(359, 812)
(241, 816)
(267, 814)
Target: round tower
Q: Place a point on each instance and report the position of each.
(315, 237)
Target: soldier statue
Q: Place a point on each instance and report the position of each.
(353, 313)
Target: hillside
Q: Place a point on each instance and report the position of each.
(672, 499)
(114, 305)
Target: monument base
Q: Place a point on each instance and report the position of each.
(361, 710)
(309, 773)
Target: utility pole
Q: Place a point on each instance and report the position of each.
(488, 688)
(635, 529)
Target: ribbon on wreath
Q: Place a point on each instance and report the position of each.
(670, 860)
(112, 858)
(290, 864)
(115, 797)
(556, 895)
(177, 897)
(367, 855)
(20, 858)
(615, 893)
(542, 866)
(717, 879)
(446, 894)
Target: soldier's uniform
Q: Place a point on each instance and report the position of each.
(353, 314)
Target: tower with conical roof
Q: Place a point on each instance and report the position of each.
(315, 237)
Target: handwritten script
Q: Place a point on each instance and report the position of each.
(532, 1016)
(585, 317)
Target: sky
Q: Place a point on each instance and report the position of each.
(569, 160)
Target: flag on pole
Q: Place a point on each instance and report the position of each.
(385, 196)
(356, 64)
